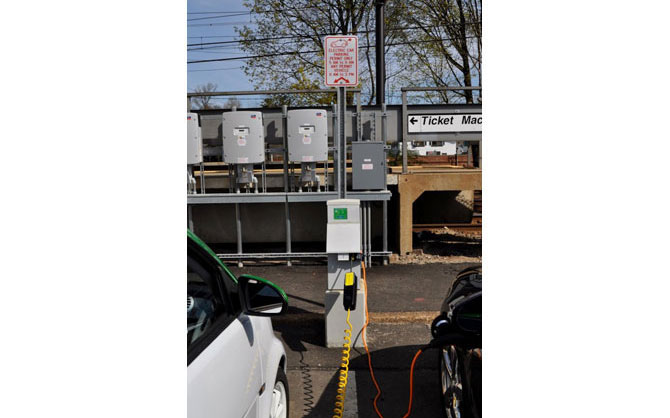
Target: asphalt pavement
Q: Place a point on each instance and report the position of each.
(402, 301)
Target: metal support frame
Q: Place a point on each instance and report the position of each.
(238, 225)
(339, 114)
(369, 225)
(280, 197)
(202, 178)
(262, 92)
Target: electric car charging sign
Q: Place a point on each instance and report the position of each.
(341, 61)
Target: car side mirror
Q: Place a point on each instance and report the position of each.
(467, 314)
(465, 318)
(261, 297)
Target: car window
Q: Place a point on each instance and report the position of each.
(205, 303)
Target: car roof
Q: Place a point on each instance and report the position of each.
(469, 270)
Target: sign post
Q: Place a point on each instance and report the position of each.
(341, 71)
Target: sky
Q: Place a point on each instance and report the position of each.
(227, 74)
(205, 25)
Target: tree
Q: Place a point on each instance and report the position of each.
(446, 47)
(303, 82)
(232, 101)
(205, 102)
(280, 28)
(427, 42)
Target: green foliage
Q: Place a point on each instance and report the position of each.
(429, 42)
(303, 82)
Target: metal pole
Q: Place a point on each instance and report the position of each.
(364, 233)
(403, 124)
(336, 146)
(384, 138)
(385, 245)
(359, 118)
(238, 223)
(379, 46)
(284, 129)
(369, 234)
(479, 154)
(287, 213)
(202, 178)
(342, 142)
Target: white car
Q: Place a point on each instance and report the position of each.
(236, 366)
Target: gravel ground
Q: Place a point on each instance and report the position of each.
(442, 246)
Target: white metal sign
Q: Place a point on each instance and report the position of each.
(456, 122)
(341, 61)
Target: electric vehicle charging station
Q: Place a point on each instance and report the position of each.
(193, 147)
(307, 142)
(243, 145)
(343, 245)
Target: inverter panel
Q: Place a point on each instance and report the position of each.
(307, 135)
(243, 137)
(193, 139)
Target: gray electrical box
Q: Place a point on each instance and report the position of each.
(243, 137)
(368, 165)
(193, 139)
(307, 135)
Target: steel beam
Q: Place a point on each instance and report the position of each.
(279, 197)
(261, 92)
(403, 122)
(445, 88)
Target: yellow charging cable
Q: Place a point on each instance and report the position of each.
(344, 371)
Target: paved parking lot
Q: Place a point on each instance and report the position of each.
(402, 300)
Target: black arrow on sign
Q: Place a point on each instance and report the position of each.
(412, 121)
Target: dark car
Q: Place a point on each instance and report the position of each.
(460, 356)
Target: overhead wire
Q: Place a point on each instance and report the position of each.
(307, 36)
(312, 51)
(255, 11)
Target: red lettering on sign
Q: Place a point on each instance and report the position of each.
(341, 60)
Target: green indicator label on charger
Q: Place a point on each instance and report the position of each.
(340, 213)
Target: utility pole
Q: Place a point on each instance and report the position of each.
(379, 46)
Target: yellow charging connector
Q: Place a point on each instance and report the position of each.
(344, 371)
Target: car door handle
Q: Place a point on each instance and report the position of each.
(261, 390)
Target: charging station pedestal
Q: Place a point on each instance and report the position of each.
(343, 245)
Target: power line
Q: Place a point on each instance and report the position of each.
(255, 12)
(216, 36)
(318, 50)
(306, 36)
(221, 23)
(216, 17)
(216, 69)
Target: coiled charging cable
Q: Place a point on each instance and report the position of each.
(344, 371)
